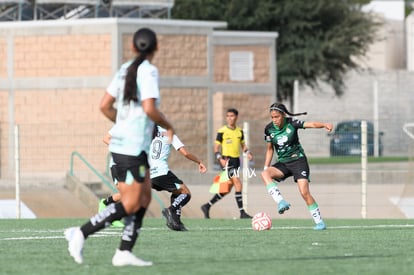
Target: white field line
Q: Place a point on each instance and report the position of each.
(117, 232)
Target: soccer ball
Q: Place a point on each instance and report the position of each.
(261, 221)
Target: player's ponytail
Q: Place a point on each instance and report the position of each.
(282, 108)
(145, 43)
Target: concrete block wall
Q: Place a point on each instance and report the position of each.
(56, 72)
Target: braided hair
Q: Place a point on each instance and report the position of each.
(282, 108)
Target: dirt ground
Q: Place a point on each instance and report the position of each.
(338, 193)
(335, 201)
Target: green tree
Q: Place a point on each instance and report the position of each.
(318, 39)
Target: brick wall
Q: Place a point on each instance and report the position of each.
(187, 109)
(4, 129)
(54, 123)
(177, 54)
(62, 55)
(61, 70)
(3, 58)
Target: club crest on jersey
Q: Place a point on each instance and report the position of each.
(282, 140)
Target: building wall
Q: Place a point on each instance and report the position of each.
(3, 57)
(394, 105)
(261, 62)
(60, 69)
(409, 26)
(178, 55)
(388, 51)
(62, 55)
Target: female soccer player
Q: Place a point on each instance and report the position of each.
(135, 91)
(281, 136)
(163, 179)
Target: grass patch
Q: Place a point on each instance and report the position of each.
(354, 159)
(216, 246)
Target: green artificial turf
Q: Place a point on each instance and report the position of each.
(216, 246)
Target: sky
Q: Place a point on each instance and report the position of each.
(392, 9)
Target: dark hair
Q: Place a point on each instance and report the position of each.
(282, 108)
(145, 42)
(233, 110)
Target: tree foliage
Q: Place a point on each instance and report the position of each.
(318, 39)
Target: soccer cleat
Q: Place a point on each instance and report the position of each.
(320, 226)
(181, 227)
(102, 205)
(283, 206)
(206, 210)
(75, 239)
(125, 257)
(169, 216)
(244, 215)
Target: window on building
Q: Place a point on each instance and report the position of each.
(241, 66)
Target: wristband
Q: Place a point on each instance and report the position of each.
(218, 155)
(265, 167)
(247, 152)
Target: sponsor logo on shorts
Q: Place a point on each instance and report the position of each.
(142, 171)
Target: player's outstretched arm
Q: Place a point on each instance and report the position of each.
(327, 126)
(201, 167)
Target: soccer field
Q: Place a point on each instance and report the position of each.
(216, 246)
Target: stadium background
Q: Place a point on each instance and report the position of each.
(53, 75)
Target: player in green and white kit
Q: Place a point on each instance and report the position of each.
(281, 136)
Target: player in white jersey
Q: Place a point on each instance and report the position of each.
(162, 179)
(134, 89)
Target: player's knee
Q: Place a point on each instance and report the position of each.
(265, 174)
(183, 190)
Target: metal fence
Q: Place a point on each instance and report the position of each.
(46, 148)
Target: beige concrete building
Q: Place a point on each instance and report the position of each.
(54, 73)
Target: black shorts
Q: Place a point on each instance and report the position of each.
(233, 166)
(129, 168)
(299, 169)
(168, 182)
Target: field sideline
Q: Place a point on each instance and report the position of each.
(217, 246)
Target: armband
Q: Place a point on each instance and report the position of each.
(265, 168)
(218, 155)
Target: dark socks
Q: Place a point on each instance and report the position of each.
(113, 212)
(108, 200)
(133, 224)
(178, 201)
(216, 198)
(239, 200)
